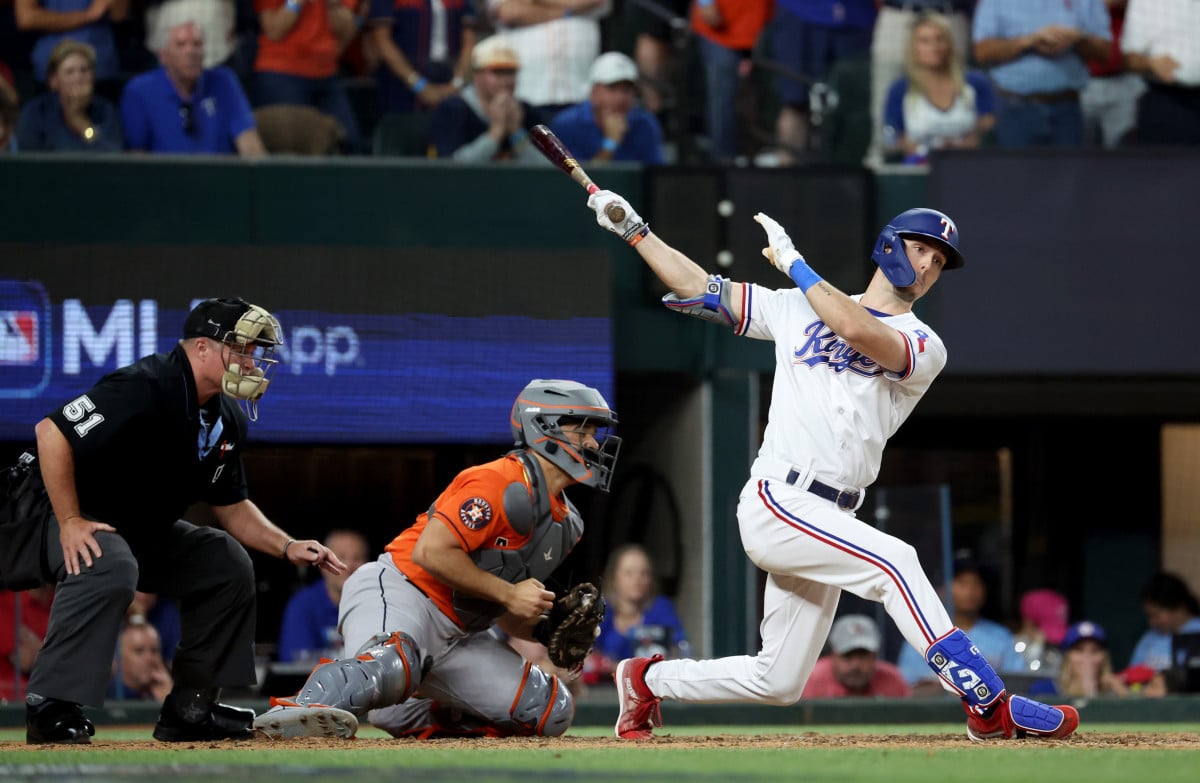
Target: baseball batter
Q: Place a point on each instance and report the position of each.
(849, 371)
(420, 616)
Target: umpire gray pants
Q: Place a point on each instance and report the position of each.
(205, 568)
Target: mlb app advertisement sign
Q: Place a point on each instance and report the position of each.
(415, 363)
(24, 339)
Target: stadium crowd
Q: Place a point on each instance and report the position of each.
(761, 82)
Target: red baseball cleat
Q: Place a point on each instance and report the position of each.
(1022, 718)
(640, 712)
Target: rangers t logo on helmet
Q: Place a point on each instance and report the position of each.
(929, 223)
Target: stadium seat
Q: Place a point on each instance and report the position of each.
(402, 135)
(298, 130)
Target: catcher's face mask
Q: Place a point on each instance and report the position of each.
(546, 406)
(249, 358)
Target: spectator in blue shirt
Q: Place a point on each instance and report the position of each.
(609, 125)
(182, 108)
(938, 103)
(71, 117)
(86, 21)
(1036, 53)
(1170, 608)
(640, 622)
(968, 594)
(424, 49)
(310, 619)
(809, 37)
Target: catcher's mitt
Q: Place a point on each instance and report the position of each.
(572, 625)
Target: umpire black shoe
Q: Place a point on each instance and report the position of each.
(57, 722)
(222, 722)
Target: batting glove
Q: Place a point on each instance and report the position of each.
(632, 229)
(784, 256)
(781, 252)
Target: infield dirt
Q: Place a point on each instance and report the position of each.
(1155, 741)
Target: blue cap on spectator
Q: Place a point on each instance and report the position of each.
(1081, 631)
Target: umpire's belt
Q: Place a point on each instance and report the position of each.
(845, 499)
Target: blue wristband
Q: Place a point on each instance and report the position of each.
(295, 6)
(517, 137)
(419, 84)
(705, 3)
(803, 275)
(609, 145)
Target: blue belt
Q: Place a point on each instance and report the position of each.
(842, 498)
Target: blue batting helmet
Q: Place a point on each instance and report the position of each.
(928, 223)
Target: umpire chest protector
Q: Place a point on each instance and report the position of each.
(529, 511)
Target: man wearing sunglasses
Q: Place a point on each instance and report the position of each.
(184, 109)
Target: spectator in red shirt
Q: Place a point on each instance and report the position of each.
(23, 620)
(8, 110)
(853, 668)
(1110, 99)
(726, 31)
(298, 57)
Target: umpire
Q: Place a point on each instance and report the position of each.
(97, 511)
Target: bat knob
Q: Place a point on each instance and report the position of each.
(615, 212)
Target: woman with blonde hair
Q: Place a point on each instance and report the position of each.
(938, 103)
(639, 621)
(71, 117)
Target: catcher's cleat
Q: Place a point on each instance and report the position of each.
(640, 712)
(1022, 718)
(288, 720)
(222, 722)
(57, 722)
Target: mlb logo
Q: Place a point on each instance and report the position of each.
(25, 357)
(19, 339)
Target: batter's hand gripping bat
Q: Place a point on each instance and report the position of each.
(556, 152)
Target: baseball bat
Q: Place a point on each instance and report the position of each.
(557, 153)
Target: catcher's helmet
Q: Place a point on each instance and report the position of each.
(538, 413)
(928, 223)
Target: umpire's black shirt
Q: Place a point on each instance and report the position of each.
(145, 449)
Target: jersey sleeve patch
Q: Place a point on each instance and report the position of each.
(926, 357)
(475, 513)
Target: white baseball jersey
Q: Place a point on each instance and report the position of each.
(832, 408)
(832, 411)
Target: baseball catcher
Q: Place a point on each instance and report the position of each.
(571, 627)
(421, 617)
